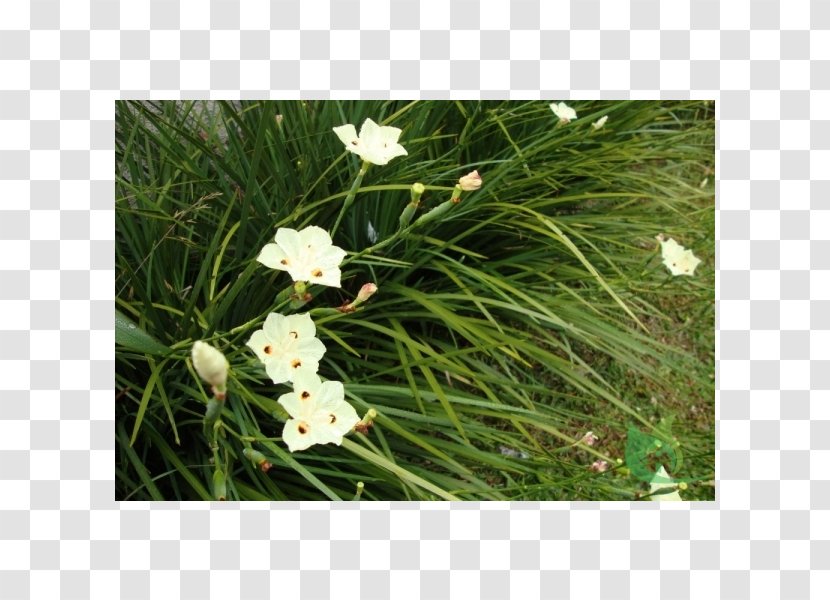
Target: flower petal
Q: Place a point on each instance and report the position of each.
(292, 404)
(299, 272)
(328, 276)
(272, 256)
(279, 370)
(276, 327)
(306, 388)
(298, 435)
(678, 259)
(314, 238)
(346, 418)
(389, 135)
(310, 350)
(661, 480)
(395, 150)
(329, 395)
(289, 241)
(301, 324)
(260, 344)
(347, 135)
(369, 132)
(331, 256)
(331, 425)
(563, 111)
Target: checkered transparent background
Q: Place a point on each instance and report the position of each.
(64, 63)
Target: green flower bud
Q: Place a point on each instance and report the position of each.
(220, 489)
(436, 212)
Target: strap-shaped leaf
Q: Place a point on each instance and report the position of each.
(131, 336)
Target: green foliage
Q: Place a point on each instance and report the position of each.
(530, 312)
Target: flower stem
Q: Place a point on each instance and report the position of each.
(431, 215)
(351, 196)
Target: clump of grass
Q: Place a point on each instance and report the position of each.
(532, 311)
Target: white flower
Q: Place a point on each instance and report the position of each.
(563, 111)
(286, 343)
(319, 413)
(589, 439)
(210, 364)
(599, 466)
(597, 125)
(307, 255)
(660, 481)
(470, 182)
(678, 260)
(376, 144)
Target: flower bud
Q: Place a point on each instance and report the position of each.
(359, 491)
(599, 123)
(211, 365)
(417, 191)
(213, 410)
(406, 215)
(436, 212)
(366, 292)
(470, 182)
(300, 288)
(220, 488)
(258, 458)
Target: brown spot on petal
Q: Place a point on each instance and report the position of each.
(284, 261)
(293, 335)
(268, 349)
(296, 363)
(333, 418)
(305, 395)
(354, 142)
(302, 428)
(316, 273)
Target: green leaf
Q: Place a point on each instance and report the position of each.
(131, 336)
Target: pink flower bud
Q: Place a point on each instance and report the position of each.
(470, 182)
(366, 292)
